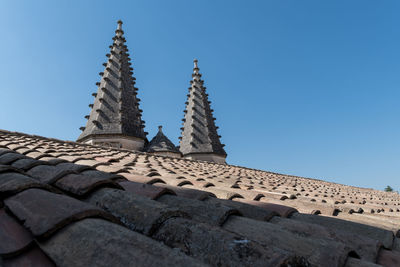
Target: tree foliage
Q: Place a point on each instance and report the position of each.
(388, 189)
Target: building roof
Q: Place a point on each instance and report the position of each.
(161, 143)
(199, 133)
(72, 204)
(115, 110)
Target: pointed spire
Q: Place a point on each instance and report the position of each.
(199, 138)
(115, 115)
(161, 145)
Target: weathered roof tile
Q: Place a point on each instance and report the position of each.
(146, 190)
(13, 236)
(201, 211)
(80, 185)
(44, 212)
(136, 212)
(48, 174)
(95, 242)
(13, 182)
(33, 257)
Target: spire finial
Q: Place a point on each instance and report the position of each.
(196, 67)
(119, 30)
(160, 129)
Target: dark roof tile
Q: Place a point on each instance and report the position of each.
(48, 174)
(4, 151)
(95, 242)
(389, 258)
(282, 210)
(13, 182)
(33, 257)
(188, 192)
(364, 247)
(13, 236)
(44, 212)
(247, 210)
(100, 174)
(382, 235)
(80, 185)
(146, 190)
(142, 179)
(353, 262)
(319, 252)
(9, 158)
(200, 211)
(217, 247)
(136, 212)
(27, 163)
(68, 166)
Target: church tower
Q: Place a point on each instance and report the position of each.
(115, 119)
(199, 138)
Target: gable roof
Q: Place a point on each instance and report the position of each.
(115, 110)
(71, 204)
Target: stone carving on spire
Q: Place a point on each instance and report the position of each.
(199, 137)
(115, 118)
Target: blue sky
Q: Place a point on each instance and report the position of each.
(309, 88)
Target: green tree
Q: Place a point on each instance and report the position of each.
(388, 189)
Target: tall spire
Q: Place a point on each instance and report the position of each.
(199, 138)
(115, 118)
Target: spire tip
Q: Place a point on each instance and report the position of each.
(160, 128)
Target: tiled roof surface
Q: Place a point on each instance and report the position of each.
(70, 204)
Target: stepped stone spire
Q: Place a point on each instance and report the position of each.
(115, 118)
(199, 138)
(161, 145)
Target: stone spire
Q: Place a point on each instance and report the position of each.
(161, 145)
(115, 118)
(199, 138)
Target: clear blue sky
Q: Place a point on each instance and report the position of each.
(309, 88)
